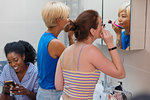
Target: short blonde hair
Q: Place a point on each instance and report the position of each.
(125, 7)
(54, 10)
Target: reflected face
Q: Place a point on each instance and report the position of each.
(124, 20)
(16, 61)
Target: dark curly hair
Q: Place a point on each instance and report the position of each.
(21, 47)
(81, 26)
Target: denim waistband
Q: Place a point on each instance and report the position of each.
(50, 90)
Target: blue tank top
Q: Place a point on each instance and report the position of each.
(125, 40)
(46, 64)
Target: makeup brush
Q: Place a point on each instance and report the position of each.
(110, 22)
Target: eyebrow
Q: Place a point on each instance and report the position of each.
(124, 14)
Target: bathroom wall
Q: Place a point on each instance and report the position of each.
(20, 20)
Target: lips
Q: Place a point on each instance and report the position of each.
(120, 24)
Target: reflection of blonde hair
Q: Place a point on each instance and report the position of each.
(125, 7)
(54, 10)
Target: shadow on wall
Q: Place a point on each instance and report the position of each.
(141, 96)
(2, 64)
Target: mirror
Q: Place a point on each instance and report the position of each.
(108, 9)
(133, 33)
(116, 16)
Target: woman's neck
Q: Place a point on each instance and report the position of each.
(22, 72)
(55, 31)
(87, 41)
(127, 31)
(24, 68)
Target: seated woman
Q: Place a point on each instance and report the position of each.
(20, 69)
(123, 36)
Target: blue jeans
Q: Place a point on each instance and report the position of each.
(44, 94)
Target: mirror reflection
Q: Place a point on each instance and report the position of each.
(119, 18)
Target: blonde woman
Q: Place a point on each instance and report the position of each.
(79, 66)
(55, 15)
(123, 36)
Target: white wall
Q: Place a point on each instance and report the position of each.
(20, 20)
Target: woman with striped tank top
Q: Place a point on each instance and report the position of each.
(79, 66)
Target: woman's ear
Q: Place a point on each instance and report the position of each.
(92, 31)
(58, 20)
